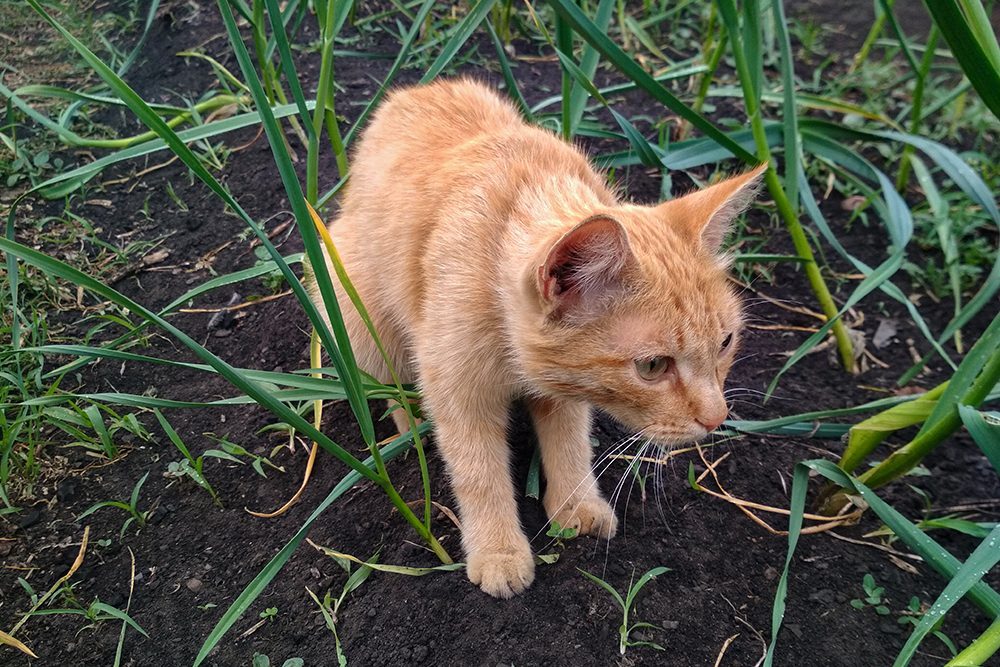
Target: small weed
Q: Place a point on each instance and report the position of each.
(96, 612)
(234, 450)
(914, 612)
(181, 205)
(273, 280)
(131, 507)
(329, 607)
(189, 466)
(260, 660)
(560, 533)
(873, 597)
(25, 166)
(269, 614)
(624, 630)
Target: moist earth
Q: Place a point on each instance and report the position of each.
(194, 558)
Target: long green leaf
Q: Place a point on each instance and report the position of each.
(586, 29)
(985, 430)
(986, 555)
(968, 51)
(249, 387)
(461, 34)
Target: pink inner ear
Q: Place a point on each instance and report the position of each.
(585, 262)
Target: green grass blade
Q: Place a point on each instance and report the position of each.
(586, 29)
(579, 77)
(967, 373)
(120, 615)
(647, 156)
(643, 580)
(606, 586)
(97, 423)
(986, 555)
(800, 483)
(985, 430)
(866, 435)
(513, 91)
(249, 387)
(172, 434)
(288, 65)
(793, 142)
(340, 351)
(681, 70)
(461, 34)
(134, 499)
(588, 66)
(968, 50)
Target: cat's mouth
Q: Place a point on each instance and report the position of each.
(669, 436)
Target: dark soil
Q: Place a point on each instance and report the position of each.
(194, 559)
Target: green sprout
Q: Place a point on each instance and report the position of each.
(624, 630)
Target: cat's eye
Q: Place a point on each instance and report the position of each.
(726, 343)
(654, 368)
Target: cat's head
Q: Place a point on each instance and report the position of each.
(635, 314)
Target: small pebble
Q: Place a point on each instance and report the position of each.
(419, 653)
(194, 585)
(29, 519)
(158, 515)
(825, 596)
(890, 627)
(66, 492)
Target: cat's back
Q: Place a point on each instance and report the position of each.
(446, 112)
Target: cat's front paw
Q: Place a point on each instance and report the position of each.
(502, 574)
(590, 516)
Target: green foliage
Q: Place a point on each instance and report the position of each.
(627, 605)
(558, 533)
(872, 598)
(261, 660)
(132, 507)
(329, 607)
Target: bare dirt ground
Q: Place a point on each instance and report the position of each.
(195, 558)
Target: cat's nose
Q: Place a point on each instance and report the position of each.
(713, 420)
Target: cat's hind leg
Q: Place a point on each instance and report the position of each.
(572, 496)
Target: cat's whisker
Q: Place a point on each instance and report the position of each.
(606, 460)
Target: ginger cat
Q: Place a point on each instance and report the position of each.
(496, 263)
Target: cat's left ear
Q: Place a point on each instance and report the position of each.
(708, 214)
(583, 265)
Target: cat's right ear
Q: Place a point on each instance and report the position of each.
(583, 265)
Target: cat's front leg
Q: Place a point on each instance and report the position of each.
(572, 496)
(474, 445)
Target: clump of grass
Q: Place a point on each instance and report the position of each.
(131, 506)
